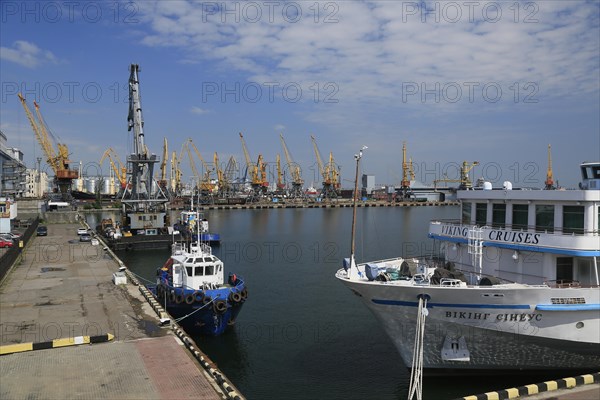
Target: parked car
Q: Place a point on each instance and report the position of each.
(42, 230)
(14, 235)
(86, 237)
(82, 231)
(4, 242)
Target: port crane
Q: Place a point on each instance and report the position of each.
(258, 172)
(162, 182)
(408, 174)
(295, 172)
(204, 184)
(465, 181)
(144, 205)
(57, 158)
(116, 165)
(549, 176)
(329, 172)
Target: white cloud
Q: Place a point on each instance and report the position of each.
(375, 47)
(199, 111)
(27, 54)
(279, 127)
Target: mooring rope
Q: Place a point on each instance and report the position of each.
(416, 375)
(193, 312)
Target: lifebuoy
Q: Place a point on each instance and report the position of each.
(199, 296)
(220, 306)
(189, 298)
(178, 298)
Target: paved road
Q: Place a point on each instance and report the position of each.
(63, 288)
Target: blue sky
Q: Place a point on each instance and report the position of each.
(489, 81)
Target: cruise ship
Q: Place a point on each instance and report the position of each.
(515, 284)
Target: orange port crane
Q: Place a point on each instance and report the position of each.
(329, 172)
(116, 165)
(258, 171)
(57, 159)
(549, 176)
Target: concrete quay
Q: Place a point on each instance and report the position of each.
(63, 289)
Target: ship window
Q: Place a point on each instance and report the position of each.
(189, 271)
(520, 215)
(189, 260)
(498, 215)
(466, 213)
(480, 214)
(210, 269)
(573, 219)
(199, 271)
(564, 269)
(207, 259)
(544, 218)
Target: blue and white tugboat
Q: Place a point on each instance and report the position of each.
(192, 287)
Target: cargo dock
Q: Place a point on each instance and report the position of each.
(69, 330)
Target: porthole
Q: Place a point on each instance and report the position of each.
(579, 325)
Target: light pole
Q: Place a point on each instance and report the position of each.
(357, 157)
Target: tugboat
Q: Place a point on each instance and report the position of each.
(192, 287)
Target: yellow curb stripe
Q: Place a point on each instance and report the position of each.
(587, 379)
(571, 382)
(62, 342)
(532, 389)
(552, 385)
(16, 348)
(492, 396)
(513, 393)
(470, 398)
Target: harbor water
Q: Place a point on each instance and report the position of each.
(302, 334)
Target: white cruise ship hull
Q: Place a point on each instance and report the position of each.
(506, 327)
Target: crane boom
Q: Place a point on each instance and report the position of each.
(294, 169)
(318, 157)
(119, 170)
(57, 159)
(163, 163)
(249, 164)
(549, 175)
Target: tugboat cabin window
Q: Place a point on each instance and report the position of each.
(520, 215)
(573, 219)
(189, 271)
(544, 218)
(480, 214)
(199, 271)
(498, 215)
(210, 270)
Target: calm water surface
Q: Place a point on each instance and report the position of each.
(302, 334)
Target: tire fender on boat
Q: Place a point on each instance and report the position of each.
(178, 298)
(190, 298)
(245, 294)
(235, 297)
(207, 299)
(220, 306)
(172, 296)
(199, 296)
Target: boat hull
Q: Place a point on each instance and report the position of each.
(488, 329)
(202, 312)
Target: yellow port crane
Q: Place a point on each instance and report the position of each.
(204, 184)
(465, 181)
(57, 159)
(297, 181)
(119, 170)
(280, 184)
(329, 172)
(549, 176)
(162, 182)
(258, 171)
(175, 175)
